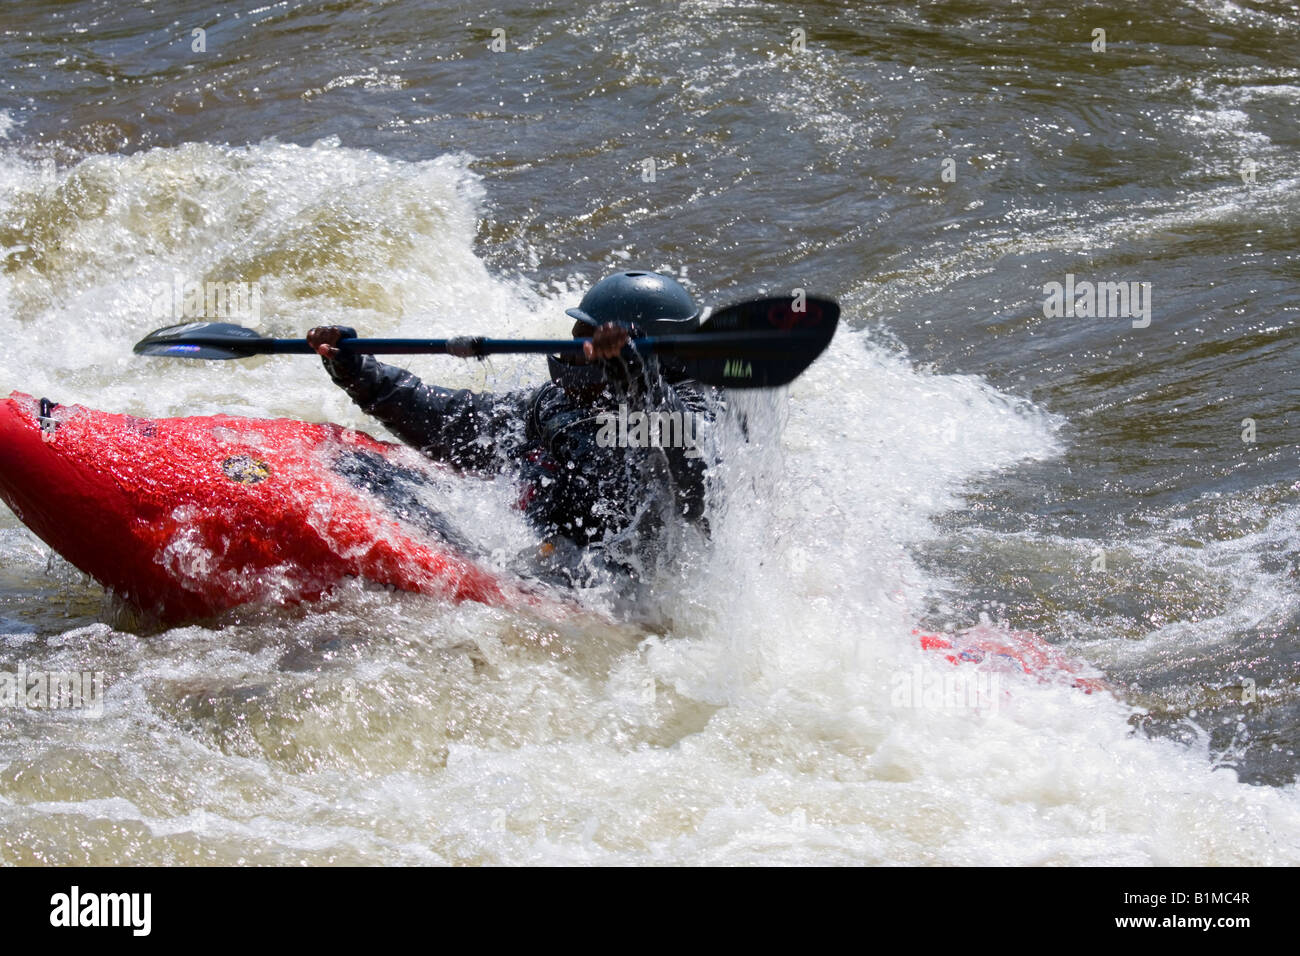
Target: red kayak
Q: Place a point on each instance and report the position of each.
(186, 517)
(183, 518)
(1017, 652)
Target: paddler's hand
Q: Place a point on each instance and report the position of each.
(325, 339)
(606, 342)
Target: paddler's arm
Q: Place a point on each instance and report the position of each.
(461, 428)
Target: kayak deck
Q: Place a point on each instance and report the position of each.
(186, 517)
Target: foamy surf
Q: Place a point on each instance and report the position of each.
(760, 723)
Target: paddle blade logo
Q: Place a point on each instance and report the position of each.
(245, 469)
(735, 368)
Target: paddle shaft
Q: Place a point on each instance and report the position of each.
(761, 343)
(704, 345)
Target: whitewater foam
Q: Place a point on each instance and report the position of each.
(757, 726)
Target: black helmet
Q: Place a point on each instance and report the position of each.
(654, 303)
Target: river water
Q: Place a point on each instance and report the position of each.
(1121, 483)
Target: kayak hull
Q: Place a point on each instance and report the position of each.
(183, 518)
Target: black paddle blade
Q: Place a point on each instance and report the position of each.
(782, 336)
(201, 340)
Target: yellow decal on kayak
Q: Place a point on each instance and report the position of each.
(246, 469)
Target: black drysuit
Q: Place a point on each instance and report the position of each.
(580, 491)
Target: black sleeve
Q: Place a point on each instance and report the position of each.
(469, 430)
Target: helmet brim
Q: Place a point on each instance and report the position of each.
(687, 324)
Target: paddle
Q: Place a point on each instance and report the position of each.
(762, 343)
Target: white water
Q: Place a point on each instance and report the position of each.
(761, 727)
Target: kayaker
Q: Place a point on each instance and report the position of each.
(598, 503)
